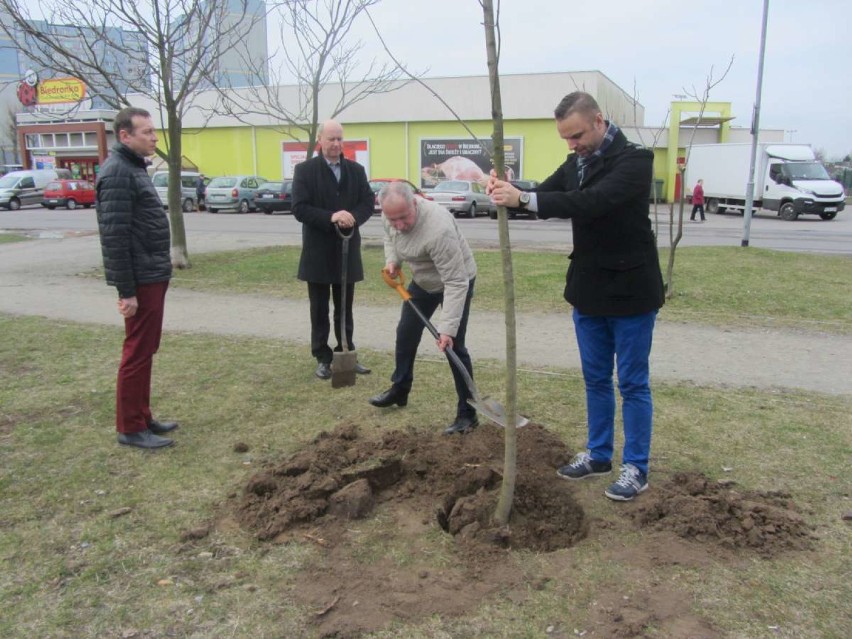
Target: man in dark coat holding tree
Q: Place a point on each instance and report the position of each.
(613, 282)
(330, 193)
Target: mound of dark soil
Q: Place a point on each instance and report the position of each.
(342, 476)
(695, 508)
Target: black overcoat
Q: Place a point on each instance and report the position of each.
(615, 267)
(317, 195)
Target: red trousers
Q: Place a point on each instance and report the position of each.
(141, 340)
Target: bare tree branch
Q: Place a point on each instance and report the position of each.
(675, 236)
(320, 57)
(161, 49)
(420, 81)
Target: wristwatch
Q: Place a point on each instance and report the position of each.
(523, 199)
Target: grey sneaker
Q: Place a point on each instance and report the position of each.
(584, 466)
(630, 483)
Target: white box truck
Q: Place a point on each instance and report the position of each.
(787, 179)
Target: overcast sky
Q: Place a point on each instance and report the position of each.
(661, 46)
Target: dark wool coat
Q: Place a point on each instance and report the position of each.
(615, 268)
(316, 197)
(133, 225)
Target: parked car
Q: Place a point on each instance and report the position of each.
(462, 197)
(188, 193)
(524, 185)
(68, 193)
(233, 192)
(377, 184)
(22, 188)
(274, 197)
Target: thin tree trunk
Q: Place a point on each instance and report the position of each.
(507, 488)
(179, 253)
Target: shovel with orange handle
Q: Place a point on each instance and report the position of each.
(489, 407)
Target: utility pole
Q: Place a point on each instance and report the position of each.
(755, 130)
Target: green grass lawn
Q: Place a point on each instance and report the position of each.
(724, 286)
(90, 532)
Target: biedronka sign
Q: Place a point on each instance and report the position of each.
(32, 91)
(61, 90)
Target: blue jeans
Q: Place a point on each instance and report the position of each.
(408, 334)
(625, 341)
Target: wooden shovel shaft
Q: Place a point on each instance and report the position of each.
(343, 364)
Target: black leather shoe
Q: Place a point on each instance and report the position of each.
(144, 439)
(462, 425)
(323, 370)
(159, 428)
(393, 395)
(361, 369)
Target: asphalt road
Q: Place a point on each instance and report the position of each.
(808, 234)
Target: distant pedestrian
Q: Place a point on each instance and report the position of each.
(698, 200)
(200, 190)
(136, 245)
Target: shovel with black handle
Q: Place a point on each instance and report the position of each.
(490, 408)
(343, 363)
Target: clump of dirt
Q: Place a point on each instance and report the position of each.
(343, 476)
(696, 508)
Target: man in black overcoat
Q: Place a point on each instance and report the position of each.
(330, 193)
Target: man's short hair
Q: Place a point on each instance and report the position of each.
(124, 118)
(576, 102)
(400, 189)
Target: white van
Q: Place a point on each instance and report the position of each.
(188, 195)
(23, 188)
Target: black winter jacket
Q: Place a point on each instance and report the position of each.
(316, 197)
(615, 268)
(134, 227)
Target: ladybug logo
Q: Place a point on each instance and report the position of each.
(27, 94)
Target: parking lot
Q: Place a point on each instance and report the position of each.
(808, 234)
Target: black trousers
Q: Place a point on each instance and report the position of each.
(699, 208)
(320, 327)
(409, 331)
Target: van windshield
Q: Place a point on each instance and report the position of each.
(8, 181)
(161, 179)
(806, 171)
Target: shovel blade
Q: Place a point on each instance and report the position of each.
(493, 410)
(343, 369)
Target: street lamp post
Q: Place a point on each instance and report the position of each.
(755, 130)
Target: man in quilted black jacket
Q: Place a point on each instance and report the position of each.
(135, 243)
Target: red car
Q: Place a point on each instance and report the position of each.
(68, 193)
(377, 184)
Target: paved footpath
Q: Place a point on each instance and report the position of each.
(41, 278)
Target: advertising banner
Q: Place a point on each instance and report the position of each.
(60, 90)
(292, 153)
(465, 159)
